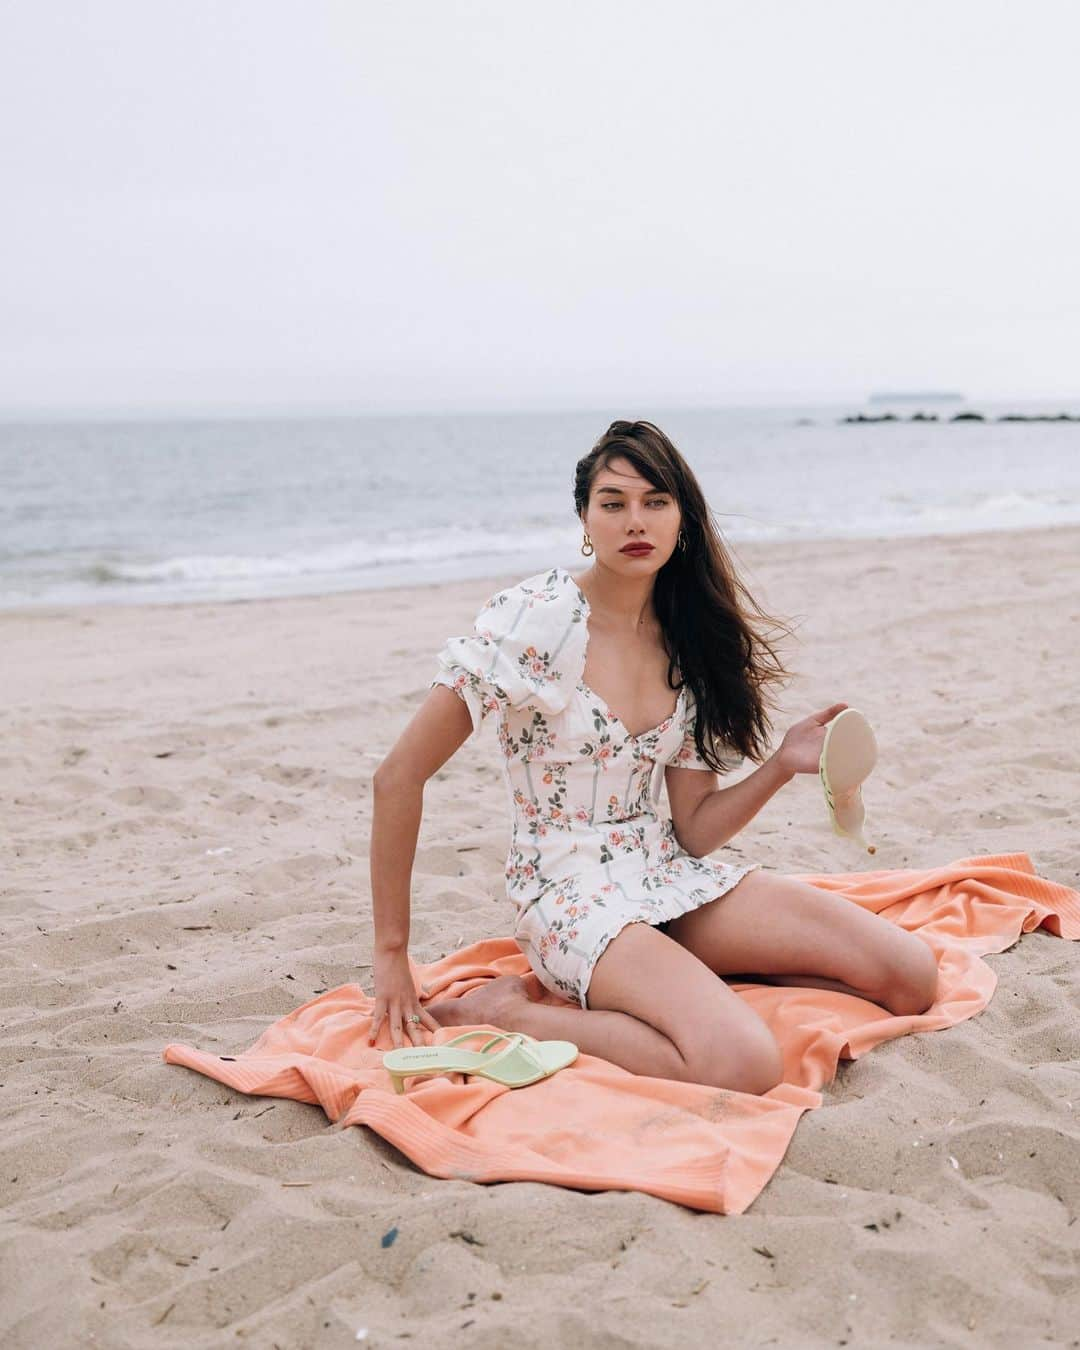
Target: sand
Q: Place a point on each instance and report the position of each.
(186, 805)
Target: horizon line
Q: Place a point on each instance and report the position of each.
(253, 411)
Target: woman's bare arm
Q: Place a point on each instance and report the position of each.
(705, 817)
(440, 726)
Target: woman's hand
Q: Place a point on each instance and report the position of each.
(396, 1000)
(800, 750)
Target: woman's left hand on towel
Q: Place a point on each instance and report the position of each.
(396, 1000)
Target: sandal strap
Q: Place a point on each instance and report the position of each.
(517, 1040)
(520, 1044)
(498, 1036)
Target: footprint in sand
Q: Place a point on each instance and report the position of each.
(154, 798)
(1058, 760)
(351, 789)
(1028, 1157)
(278, 876)
(77, 784)
(289, 775)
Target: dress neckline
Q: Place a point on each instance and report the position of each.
(610, 712)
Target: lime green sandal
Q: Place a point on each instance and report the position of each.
(522, 1060)
(848, 754)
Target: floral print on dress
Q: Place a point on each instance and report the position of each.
(589, 850)
(525, 740)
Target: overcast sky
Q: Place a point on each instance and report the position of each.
(438, 204)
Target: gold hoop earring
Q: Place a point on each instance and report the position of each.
(587, 547)
(682, 541)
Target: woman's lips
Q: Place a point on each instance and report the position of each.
(637, 548)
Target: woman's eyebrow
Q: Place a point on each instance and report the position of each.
(647, 492)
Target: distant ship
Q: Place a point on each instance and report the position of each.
(917, 398)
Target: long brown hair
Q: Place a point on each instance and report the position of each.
(718, 637)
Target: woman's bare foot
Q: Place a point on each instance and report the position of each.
(496, 1003)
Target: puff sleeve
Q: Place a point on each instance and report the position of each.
(527, 648)
(685, 755)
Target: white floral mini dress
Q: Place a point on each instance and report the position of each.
(589, 852)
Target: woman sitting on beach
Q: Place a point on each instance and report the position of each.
(619, 908)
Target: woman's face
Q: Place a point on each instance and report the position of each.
(626, 509)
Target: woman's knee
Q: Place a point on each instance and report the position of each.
(742, 1058)
(716, 1037)
(910, 986)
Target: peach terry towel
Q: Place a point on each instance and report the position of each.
(595, 1126)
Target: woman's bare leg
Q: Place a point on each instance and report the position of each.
(792, 933)
(655, 1009)
(615, 1036)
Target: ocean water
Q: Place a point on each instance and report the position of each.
(193, 510)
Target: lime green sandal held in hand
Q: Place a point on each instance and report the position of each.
(522, 1060)
(848, 754)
